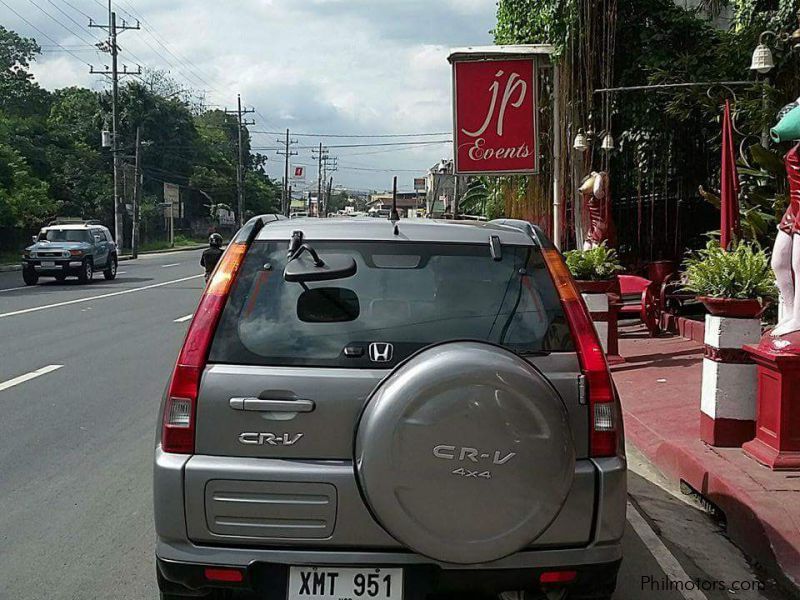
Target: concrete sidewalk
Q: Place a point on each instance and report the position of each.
(660, 388)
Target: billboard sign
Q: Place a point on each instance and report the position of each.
(298, 173)
(172, 200)
(419, 184)
(495, 106)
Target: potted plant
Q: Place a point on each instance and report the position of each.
(594, 270)
(735, 283)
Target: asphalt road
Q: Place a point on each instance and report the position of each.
(82, 369)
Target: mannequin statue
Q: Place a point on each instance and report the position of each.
(596, 197)
(786, 252)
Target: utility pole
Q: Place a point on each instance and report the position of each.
(137, 194)
(327, 164)
(322, 155)
(328, 195)
(111, 47)
(240, 167)
(287, 154)
(289, 203)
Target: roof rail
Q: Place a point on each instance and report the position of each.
(74, 221)
(534, 232)
(250, 229)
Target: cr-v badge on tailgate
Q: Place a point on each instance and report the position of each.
(473, 454)
(269, 439)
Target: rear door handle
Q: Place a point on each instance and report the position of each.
(259, 405)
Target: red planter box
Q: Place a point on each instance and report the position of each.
(777, 442)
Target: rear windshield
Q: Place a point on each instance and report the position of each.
(408, 295)
(65, 235)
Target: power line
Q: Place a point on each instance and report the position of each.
(360, 135)
(52, 18)
(75, 56)
(63, 12)
(77, 10)
(374, 145)
(375, 170)
(188, 64)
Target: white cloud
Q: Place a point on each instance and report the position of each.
(333, 66)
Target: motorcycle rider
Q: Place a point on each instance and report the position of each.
(212, 254)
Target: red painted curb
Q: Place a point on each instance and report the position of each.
(755, 522)
(761, 506)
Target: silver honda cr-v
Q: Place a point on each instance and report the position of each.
(380, 410)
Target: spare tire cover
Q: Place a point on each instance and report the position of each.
(464, 453)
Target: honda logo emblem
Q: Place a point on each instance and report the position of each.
(380, 352)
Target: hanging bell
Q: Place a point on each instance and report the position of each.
(762, 59)
(581, 143)
(608, 143)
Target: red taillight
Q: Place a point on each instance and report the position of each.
(180, 410)
(602, 400)
(557, 576)
(223, 574)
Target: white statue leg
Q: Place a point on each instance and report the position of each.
(790, 291)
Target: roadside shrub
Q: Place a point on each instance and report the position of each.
(741, 273)
(597, 264)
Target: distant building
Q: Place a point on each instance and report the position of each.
(382, 203)
(440, 188)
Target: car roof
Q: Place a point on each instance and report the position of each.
(410, 230)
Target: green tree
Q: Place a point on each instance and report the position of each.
(19, 93)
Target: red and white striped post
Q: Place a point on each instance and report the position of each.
(728, 399)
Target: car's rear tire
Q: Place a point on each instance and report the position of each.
(30, 277)
(87, 271)
(110, 271)
(489, 429)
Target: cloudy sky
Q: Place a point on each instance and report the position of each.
(348, 67)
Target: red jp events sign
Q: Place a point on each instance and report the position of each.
(495, 105)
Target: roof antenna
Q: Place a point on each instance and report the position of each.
(394, 216)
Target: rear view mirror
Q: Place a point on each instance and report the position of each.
(334, 266)
(328, 305)
(34, 238)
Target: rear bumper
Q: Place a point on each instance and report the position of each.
(267, 571)
(182, 560)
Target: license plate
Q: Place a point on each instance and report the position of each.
(325, 583)
(48, 263)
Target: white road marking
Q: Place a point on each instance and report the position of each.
(182, 319)
(28, 376)
(157, 255)
(121, 272)
(12, 289)
(170, 265)
(100, 297)
(665, 559)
